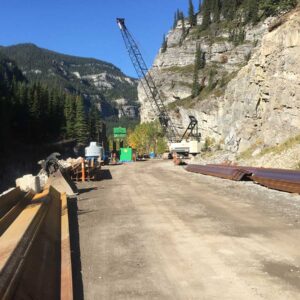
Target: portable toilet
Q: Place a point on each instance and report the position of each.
(125, 154)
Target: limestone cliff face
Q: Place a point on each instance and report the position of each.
(264, 98)
(256, 99)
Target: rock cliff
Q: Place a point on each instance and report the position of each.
(251, 95)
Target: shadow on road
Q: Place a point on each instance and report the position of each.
(75, 249)
(86, 190)
(105, 175)
(84, 212)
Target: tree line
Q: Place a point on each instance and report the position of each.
(230, 14)
(252, 10)
(213, 11)
(33, 113)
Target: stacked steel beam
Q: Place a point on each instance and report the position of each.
(278, 179)
(35, 253)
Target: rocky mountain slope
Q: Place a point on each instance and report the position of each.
(250, 100)
(96, 80)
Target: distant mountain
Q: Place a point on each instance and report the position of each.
(96, 80)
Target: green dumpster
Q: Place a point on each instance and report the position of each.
(126, 154)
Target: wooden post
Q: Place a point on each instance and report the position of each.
(83, 170)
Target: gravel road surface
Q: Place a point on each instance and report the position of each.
(151, 230)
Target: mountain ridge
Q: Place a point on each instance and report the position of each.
(98, 81)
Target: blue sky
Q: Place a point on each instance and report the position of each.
(87, 27)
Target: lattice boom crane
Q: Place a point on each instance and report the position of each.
(177, 144)
(148, 83)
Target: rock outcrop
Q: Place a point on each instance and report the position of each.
(258, 105)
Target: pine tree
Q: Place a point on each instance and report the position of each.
(174, 21)
(178, 15)
(216, 10)
(272, 7)
(164, 45)
(202, 60)
(196, 87)
(251, 11)
(81, 130)
(35, 105)
(70, 115)
(94, 123)
(192, 17)
(199, 58)
(229, 8)
(206, 11)
(181, 18)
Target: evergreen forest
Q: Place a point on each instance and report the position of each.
(32, 113)
(250, 11)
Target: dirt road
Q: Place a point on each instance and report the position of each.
(155, 231)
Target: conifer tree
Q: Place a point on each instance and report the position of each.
(70, 115)
(51, 105)
(252, 11)
(178, 15)
(206, 11)
(81, 130)
(33, 113)
(164, 45)
(216, 10)
(192, 17)
(271, 7)
(181, 18)
(196, 87)
(229, 8)
(94, 123)
(35, 110)
(175, 21)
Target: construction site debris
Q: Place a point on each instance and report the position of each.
(29, 183)
(70, 162)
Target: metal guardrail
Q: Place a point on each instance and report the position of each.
(35, 256)
(278, 179)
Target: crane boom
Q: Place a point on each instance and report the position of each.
(148, 83)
